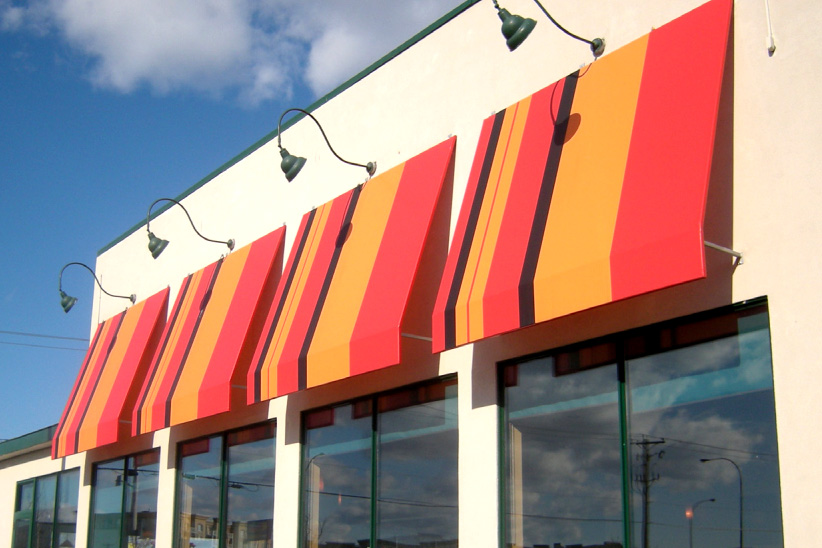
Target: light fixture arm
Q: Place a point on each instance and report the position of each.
(597, 44)
(741, 496)
(229, 242)
(132, 297)
(370, 167)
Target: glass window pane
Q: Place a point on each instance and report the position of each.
(563, 459)
(45, 498)
(711, 401)
(106, 517)
(198, 495)
(68, 488)
(417, 463)
(250, 512)
(140, 514)
(23, 510)
(337, 476)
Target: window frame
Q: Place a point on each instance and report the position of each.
(619, 340)
(224, 478)
(373, 402)
(31, 514)
(94, 494)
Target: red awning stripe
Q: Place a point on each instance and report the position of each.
(591, 190)
(155, 373)
(348, 278)
(66, 419)
(200, 368)
(680, 90)
(537, 134)
(316, 307)
(66, 435)
(98, 411)
(153, 410)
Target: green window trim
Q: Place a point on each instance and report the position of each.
(711, 368)
(63, 488)
(236, 478)
(120, 487)
(355, 440)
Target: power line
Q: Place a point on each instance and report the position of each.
(44, 346)
(25, 334)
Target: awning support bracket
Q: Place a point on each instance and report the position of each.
(727, 250)
(419, 337)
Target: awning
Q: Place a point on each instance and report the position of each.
(200, 368)
(99, 407)
(591, 190)
(341, 304)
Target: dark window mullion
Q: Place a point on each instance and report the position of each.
(123, 516)
(502, 463)
(178, 480)
(55, 529)
(54, 521)
(222, 511)
(374, 469)
(625, 443)
(33, 520)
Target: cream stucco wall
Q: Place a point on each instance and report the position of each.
(767, 169)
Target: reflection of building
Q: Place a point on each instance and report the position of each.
(539, 276)
(557, 545)
(251, 534)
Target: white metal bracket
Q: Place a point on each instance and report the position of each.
(736, 254)
(418, 337)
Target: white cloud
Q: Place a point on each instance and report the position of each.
(184, 43)
(256, 49)
(11, 17)
(349, 36)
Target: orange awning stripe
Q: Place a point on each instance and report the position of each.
(591, 190)
(98, 411)
(200, 367)
(348, 279)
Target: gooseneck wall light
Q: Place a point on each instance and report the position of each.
(291, 165)
(516, 29)
(741, 496)
(157, 245)
(67, 301)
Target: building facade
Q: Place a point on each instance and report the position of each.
(575, 305)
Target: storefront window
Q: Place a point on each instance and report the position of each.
(563, 445)
(250, 502)
(23, 512)
(382, 471)
(46, 511)
(663, 436)
(124, 502)
(225, 495)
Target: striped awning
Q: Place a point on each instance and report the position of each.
(591, 190)
(341, 304)
(99, 407)
(200, 368)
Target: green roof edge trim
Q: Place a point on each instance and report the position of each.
(299, 116)
(27, 441)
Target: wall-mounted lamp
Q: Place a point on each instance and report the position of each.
(291, 165)
(516, 29)
(67, 301)
(157, 245)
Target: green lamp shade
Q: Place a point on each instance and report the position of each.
(156, 245)
(66, 301)
(597, 46)
(291, 165)
(515, 28)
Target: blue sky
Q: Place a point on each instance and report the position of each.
(106, 105)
